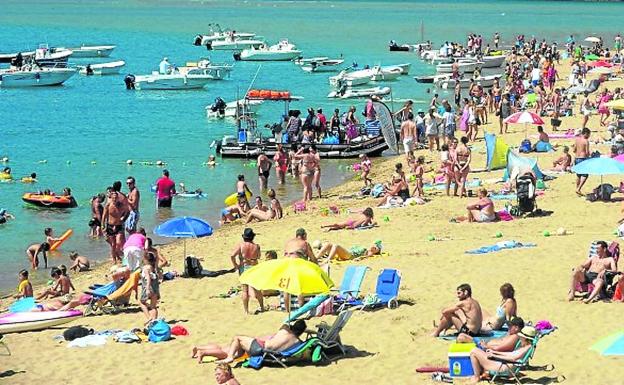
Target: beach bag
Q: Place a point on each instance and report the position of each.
(377, 190)
(525, 146)
(76, 332)
(603, 192)
(159, 331)
(192, 267)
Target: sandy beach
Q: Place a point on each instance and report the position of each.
(385, 345)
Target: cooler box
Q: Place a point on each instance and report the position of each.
(459, 359)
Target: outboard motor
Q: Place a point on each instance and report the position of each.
(237, 56)
(209, 46)
(89, 70)
(198, 40)
(129, 80)
(219, 105)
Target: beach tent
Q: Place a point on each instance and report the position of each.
(517, 165)
(496, 152)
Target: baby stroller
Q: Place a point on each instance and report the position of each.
(525, 191)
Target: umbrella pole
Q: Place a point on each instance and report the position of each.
(184, 242)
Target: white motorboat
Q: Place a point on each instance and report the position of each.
(321, 64)
(386, 73)
(492, 61)
(405, 67)
(35, 77)
(348, 92)
(110, 68)
(235, 44)
(432, 78)
(206, 67)
(241, 107)
(281, 51)
(462, 67)
(216, 33)
(428, 54)
(44, 56)
(92, 50)
(484, 81)
(353, 78)
(174, 81)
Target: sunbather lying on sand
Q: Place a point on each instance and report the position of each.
(364, 219)
(286, 337)
(334, 250)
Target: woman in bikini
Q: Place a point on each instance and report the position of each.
(419, 170)
(274, 211)
(298, 247)
(504, 312)
(316, 180)
(365, 219)
(463, 156)
(281, 161)
(244, 256)
(448, 163)
(293, 164)
(398, 190)
(308, 167)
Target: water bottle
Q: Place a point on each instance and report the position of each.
(456, 368)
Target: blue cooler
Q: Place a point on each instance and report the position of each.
(459, 359)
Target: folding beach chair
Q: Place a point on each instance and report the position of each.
(350, 285)
(386, 292)
(329, 336)
(109, 300)
(309, 348)
(510, 369)
(610, 276)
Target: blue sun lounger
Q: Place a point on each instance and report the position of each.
(350, 285)
(386, 292)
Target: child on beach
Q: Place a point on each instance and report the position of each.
(242, 189)
(150, 288)
(418, 172)
(61, 287)
(34, 250)
(24, 288)
(80, 262)
(366, 165)
(564, 162)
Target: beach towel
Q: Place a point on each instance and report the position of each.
(500, 197)
(503, 245)
(90, 340)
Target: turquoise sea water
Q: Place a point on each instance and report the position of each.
(96, 120)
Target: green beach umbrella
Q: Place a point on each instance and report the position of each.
(612, 345)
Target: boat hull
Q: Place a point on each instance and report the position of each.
(370, 147)
(240, 45)
(112, 68)
(102, 51)
(31, 321)
(35, 78)
(258, 55)
(171, 82)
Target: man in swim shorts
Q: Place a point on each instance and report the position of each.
(465, 315)
(581, 153)
(165, 189)
(113, 225)
(408, 135)
(134, 198)
(593, 270)
(264, 170)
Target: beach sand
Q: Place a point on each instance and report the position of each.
(387, 345)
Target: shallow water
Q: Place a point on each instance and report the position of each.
(87, 129)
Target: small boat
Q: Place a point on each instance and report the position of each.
(175, 81)
(393, 46)
(43, 56)
(110, 68)
(321, 65)
(35, 77)
(492, 61)
(30, 321)
(386, 73)
(405, 67)
(431, 78)
(50, 201)
(462, 67)
(216, 33)
(348, 93)
(241, 107)
(484, 81)
(207, 68)
(307, 60)
(352, 78)
(234, 44)
(282, 51)
(92, 50)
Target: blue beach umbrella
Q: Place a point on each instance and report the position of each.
(612, 345)
(184, 227)
(599, 166)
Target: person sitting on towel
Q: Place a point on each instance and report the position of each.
(286, 337)
(465, 315)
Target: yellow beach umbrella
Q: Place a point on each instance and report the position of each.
(617, 104)
(291, 275)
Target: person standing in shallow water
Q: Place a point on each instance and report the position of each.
(165, 189)
(134, 199)
(113, 218)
